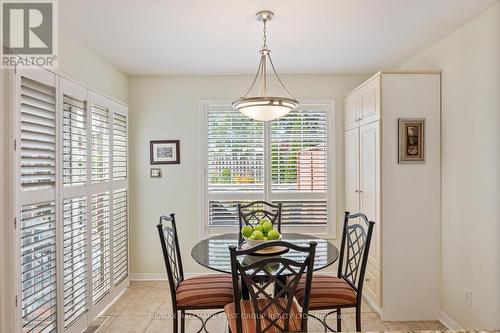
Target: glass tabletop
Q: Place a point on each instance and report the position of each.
(213, 252)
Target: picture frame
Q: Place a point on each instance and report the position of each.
(411, 140)
(164, 152)
(155, 173)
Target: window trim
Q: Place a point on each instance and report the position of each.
(329, 231)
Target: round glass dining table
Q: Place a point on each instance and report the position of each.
(213, 252)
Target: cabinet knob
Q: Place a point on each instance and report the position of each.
(367, 279)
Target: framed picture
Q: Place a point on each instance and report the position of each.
(411, 140)
(155, 173)
(164, 152)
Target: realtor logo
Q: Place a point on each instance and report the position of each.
(28, 33)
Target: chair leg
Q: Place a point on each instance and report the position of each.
(358, 318)
(176, 322)
(183, 321)
(339, 320)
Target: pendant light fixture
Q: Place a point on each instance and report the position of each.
(261, 106)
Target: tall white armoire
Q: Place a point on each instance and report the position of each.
(402, 280)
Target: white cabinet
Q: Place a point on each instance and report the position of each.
(402, 199)
(352, 104)
(351, 170)
(369, 161)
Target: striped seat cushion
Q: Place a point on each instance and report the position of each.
(326, 292)
(249, 324)
(214, 290)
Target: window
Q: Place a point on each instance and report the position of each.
(286, 160)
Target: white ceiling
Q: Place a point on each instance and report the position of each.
(222, 37)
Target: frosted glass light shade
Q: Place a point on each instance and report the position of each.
(265, 108)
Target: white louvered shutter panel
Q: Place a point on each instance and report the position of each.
(74, 141)
(38, 133)
(75, 259)
(100, 246)
(36, 185)
(119, 146)
(299, 166)
(235, 152)
(38, 267)
(100, 143)
(235, 163)
(120, 236)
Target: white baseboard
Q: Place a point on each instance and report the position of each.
(161, 276)
(148, 276)
(449, 322)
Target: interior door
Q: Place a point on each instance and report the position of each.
(369, 145)
(352, 170)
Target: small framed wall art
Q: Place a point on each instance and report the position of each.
(155, 173)
(164, 152)
(411, 140)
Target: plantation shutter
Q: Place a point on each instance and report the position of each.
(75, 259)
(235, 163)
(284, 161)
(74, 141)
(38, 135)
(36, 155)
(100, 246)
(120, 236)
(299, 166)
(119, 146)
(38, 272)
(100, 144)
(70, 174)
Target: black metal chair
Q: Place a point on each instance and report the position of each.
(252, 213)
(345, 290)
(264, 312)
(212, 291)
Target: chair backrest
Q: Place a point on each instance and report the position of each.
(356, 238)
(252, 213)
(171, 253)
(277, 271)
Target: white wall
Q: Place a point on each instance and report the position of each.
(411, 201)
(470, 245)
(82, 65)
(169, 108)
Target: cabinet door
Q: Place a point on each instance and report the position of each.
(369, 145)
(369, 96)
(352, 104)
(352, 170)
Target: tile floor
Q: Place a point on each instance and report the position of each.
(145, 308)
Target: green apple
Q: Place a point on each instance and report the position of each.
(273, 234)
(257, 235)
(264, 220)
(267, 226)
(265, 238)
(259, 228)
(251, 237)
(247, 231)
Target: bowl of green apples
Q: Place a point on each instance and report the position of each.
(262, 232)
